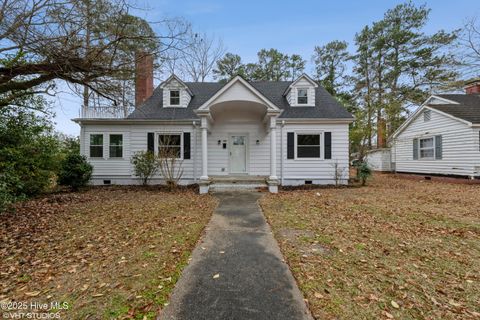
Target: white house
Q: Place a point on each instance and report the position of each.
(441, 137)
(278, 133)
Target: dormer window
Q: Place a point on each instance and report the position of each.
(174, 97)
(302, 96)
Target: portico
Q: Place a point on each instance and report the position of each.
(238, 135)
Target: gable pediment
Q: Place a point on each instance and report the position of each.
(238, 89)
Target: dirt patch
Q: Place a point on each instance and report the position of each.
(397, 248)
(113, 252)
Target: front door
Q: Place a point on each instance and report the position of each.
(238, 154)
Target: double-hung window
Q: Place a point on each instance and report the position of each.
(170, 145)
(302, 96)
(174, 97)
(308, 145)
(96, 146)
(427, 148)
(116, 146)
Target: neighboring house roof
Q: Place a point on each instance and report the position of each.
(468, 107)
(326, 107)
(463, 107)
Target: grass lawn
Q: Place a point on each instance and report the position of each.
(108, 252)
(395, 249)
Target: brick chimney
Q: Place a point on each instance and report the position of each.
(143, 77)
(473, 87)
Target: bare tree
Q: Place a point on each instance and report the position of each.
(43, 41)
(339, 172)
(470, 47)
(169, 159)
(197, 61)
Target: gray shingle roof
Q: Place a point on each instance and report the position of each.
(326, 107)
(468, 108)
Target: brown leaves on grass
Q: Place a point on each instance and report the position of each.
(105, 251)
(398, 248)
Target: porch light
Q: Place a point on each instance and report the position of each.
(257, 142)
(219, 142)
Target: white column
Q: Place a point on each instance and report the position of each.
(204, 150)
(273, 148)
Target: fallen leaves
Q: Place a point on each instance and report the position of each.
(90, 246)
(394, 249)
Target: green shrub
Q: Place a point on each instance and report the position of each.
(364, 172)
(145, 165)
(75, 171)
(28, 154)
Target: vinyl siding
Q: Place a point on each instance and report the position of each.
(295, 171)
(134, 140)
(320, 171)
(379, 160)
(459, 148)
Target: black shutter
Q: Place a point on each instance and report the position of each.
(438, 147)
(151, 142)
(328, 145)
(415, 149)
(290, 145)
(186, 145)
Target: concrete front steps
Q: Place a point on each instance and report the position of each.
(237, 183)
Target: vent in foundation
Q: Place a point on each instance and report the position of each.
(308, 181)
(107, 182)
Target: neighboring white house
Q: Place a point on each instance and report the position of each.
(441, 137)
(286, 132)
(379, 159)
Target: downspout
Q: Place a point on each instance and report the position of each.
(195, 129)
(281, 151)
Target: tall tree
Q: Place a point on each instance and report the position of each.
(398, 65)
(273, 65)
(228, 67)
(331, 65)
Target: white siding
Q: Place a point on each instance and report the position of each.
(459, 146)
(379, 159)
(258, 156)
(319, 171)
(134, 139)
(295, 171)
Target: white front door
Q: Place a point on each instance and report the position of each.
(238, 154)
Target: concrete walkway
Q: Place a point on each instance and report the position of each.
(252, 281)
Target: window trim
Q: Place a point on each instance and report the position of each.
(306, 132)
(179, 98)
(297, 102)
(180, 133)
(90, 134)
(110, 145)
(420, 148)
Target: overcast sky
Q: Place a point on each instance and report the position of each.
(248, 26)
